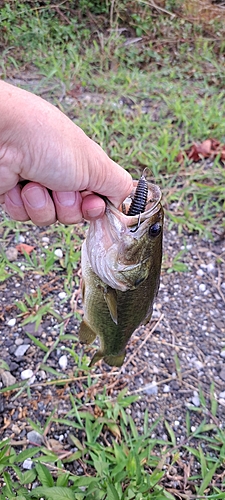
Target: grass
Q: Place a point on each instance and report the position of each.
(122, 463)
(154, 97)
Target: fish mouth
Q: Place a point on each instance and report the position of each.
(152, 206)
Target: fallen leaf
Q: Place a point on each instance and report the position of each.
(209, 148)
(23, 248)
(180, 157)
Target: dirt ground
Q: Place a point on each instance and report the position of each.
(169, 362)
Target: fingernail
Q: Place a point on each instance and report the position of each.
(15, 198)
(67, 199)
(35, 196)
(94, 213)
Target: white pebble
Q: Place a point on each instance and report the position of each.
(45, 239)
(12, 322)
(193, 428)
(222, 395)
(58, 253)
(42, 374)
(195, 400)
(202, 287)
(26, 374)
(198, 364)
(63, 362)
(222, 354)
(210, 267)
(166, 388)
(21, 350)
(151, 389)
(62, 295)
(200, 272)
(176, 422)
(21, 238)
(28, 464)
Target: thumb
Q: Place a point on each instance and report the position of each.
(106, 177)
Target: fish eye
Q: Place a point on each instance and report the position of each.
(155, 230)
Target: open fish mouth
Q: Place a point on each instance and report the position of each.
(142, 203)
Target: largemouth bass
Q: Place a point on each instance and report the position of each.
(121, 263)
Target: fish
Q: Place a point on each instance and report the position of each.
(120, 265)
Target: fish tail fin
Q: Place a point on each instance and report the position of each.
(111, 359)
(115, 360)
(86, 334)
(97, 356)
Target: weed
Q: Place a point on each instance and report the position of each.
(128, 466)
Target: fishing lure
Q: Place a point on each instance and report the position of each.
(139, 201)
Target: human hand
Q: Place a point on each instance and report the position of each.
(40, 144)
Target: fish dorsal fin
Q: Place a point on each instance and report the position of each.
(110, 297)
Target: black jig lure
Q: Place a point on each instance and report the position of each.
(139, 201)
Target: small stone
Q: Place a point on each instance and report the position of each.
(198, 364)
(62, 295)
(35, 438)
(37, 277)
(222, 374)
(16, 429)
(42, 374)
(222, 353)
(174, 385)
(200, 272)
(195, 400)
(30, 328)
(202, 287)
(58, 253)
(222, 395)
(151, 389)
(166, 388)
(12, 322)
(26, 374)
(21, 239)
(45, 239)
(210, 267)
(20, 351)
(27, 464)
(18, 341)
(7, 378)
(63, 362)
(11, 254)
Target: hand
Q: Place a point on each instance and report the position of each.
(38, 143)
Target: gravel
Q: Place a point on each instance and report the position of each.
(168, 361)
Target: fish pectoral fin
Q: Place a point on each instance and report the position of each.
(83, 289)
(110, 297)
(86, 334)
